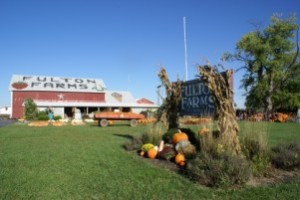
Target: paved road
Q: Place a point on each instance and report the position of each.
(4, 122)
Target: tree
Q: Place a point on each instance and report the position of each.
(269, 57)
(288, 96)
(31, 110)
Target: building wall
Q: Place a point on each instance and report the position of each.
(5, 110)
(18, 98)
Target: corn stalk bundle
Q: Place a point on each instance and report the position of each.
(221, 89)
(168, 112)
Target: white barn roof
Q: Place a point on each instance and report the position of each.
(52, 83)
(119, 97)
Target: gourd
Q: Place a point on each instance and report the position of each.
(167, 153)
(161, 146)
(147, 146)
(186, 148)
(142, 153)
(151, 153)
(179, 136)
(180, 159)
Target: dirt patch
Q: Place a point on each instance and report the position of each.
(161, 163)
(275, 177)
(166, 164)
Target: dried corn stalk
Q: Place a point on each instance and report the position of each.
(221, 89)
(168, 112)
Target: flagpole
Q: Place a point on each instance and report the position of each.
(185, 49)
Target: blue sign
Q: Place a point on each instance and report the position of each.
(196, 99)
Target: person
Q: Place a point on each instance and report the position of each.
(298, 115)
(50, 115)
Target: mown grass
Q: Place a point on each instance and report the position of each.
(276, 132)
(88, 162)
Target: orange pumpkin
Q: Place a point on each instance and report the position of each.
(203, 131)
(151, 153)
(182, 163)
(180, 159)
(177, 137)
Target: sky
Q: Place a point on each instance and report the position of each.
(126, 42)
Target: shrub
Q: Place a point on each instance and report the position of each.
(221, 171)
(254, 147)
(154, 134)
(286, 156)
(57, 117)
(42, 116)
(134, 144)
(4, 116)
(261, 165)
(208, 142)
(31, 110)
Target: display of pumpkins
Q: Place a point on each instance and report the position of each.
(180, 149)
(179, 136)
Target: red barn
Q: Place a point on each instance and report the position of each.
(62, 95)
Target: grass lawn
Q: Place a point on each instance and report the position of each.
(88, 162)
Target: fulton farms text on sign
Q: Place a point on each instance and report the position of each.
(196, 99)
(56, 83)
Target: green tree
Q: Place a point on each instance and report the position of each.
(269, 57)
(31, 110)
(288, 96)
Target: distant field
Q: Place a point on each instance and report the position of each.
(88, 162)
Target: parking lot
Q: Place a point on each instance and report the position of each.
(4, 122)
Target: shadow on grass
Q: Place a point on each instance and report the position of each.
(112, 125)
(127, 136)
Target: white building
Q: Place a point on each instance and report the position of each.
(5, 111)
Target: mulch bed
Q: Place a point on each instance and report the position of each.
(275, 176)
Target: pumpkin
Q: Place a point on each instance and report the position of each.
(151, 153)
(182, 163)
(203, 131)
(177, 137)
(180, 159)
